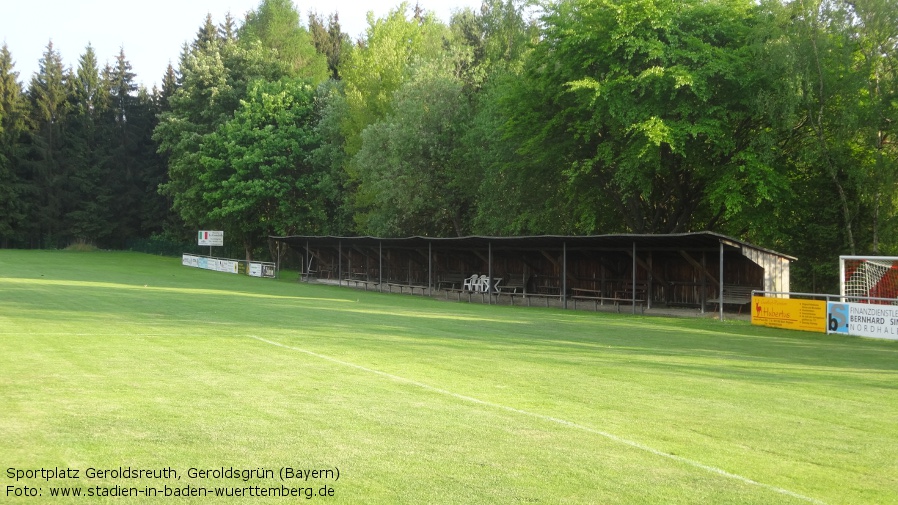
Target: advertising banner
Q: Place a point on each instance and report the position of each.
(189, 260)
(257, 269)
(863, 320)
(262, 270)
(789, 313)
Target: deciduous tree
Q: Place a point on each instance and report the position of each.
(374, 71)
(257, 175)
(413, 179)
(275, 24)
(647, 110)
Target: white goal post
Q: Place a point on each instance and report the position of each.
(869, 279)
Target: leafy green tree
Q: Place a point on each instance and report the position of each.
(823, 51)
(374, 71)
(516, 194)
(410, 162)
(875, 150)
(329, 158)
(214, 75)
(647, 111)
(499, 36)
(195, 111)
(258, 177)
(844, 64)
(275, 24)
(371, 74)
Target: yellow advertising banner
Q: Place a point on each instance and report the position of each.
(806, 315)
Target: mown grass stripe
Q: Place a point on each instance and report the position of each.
(562, 422)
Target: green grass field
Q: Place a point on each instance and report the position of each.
(121, 360)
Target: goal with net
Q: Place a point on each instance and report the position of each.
(869, 279)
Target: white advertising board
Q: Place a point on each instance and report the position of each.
(863, 320)
(188, 260)
(210, 238)
(262, 269)
(228, 266)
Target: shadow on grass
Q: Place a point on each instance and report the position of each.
(142, 289)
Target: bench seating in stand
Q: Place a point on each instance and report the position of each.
(734, 295)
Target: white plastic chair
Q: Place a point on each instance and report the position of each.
(483, 286)
(470, 282)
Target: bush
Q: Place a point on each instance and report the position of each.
(81, 246)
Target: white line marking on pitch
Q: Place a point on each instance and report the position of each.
(556, 420)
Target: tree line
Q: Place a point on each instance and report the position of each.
(770, 121)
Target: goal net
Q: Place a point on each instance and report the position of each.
(870, 277)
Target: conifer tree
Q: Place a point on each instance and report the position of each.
(169, 86)
(121, 88)
(329, 40)
(196, 108)
(159, 216)
(153, 214)
(89, 214)
(214, 78)
(124, 153)
(207, 35)
(227, 31)
(14, 188)
(46, 164)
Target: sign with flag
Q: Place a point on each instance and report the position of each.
(210, 238)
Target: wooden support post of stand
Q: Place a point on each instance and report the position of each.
(720, 287)
(564, 275)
